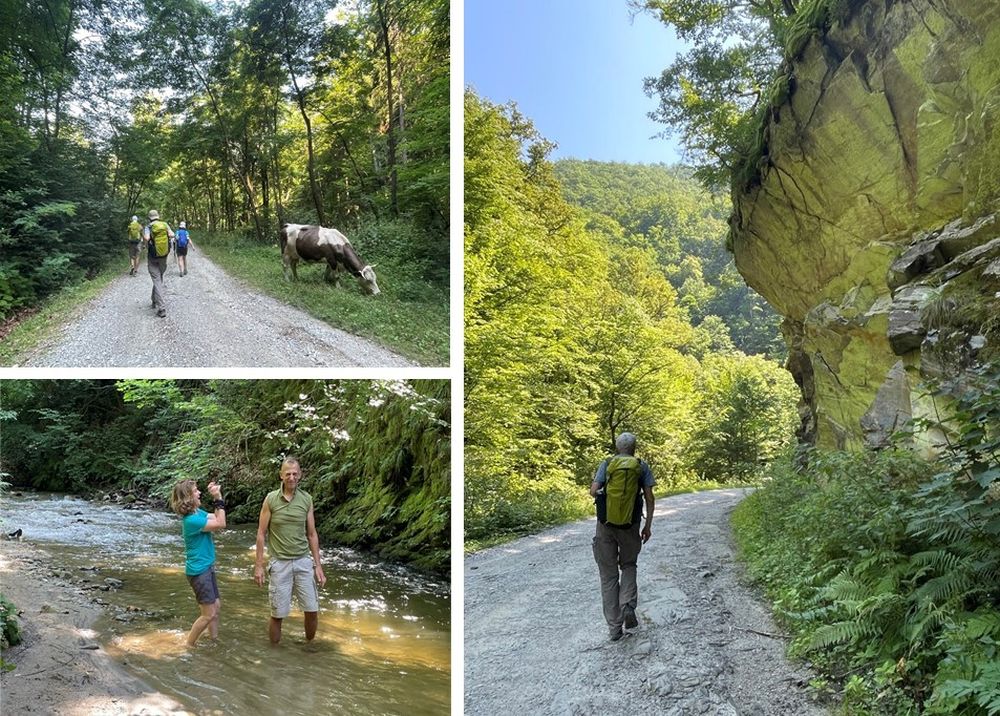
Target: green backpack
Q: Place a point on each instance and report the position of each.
(622, 492)
(158, 234)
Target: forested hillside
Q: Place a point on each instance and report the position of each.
(234, 117)
(375, 455)
(574, 334)
(665, 209)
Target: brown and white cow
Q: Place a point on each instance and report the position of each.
(316, 243)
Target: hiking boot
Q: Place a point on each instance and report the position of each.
(615, 635)
(629, 614)
(162, 313)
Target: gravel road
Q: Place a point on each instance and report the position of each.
(536, 641)
(212, 320)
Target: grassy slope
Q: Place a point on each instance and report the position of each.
(53, 312)
(410, 315)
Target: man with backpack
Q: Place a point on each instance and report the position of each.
(621, 485)
(158, 235)
(134, 239)
(183, 241)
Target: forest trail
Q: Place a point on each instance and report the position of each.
(212, 320)
(536, 641)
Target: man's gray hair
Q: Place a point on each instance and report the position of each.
(625, 444)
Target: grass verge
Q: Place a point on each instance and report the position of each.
(30, 331)
(410, 316)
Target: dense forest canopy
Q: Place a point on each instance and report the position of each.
(232, 116)
(575, 332)
(664, 209)
(375, 455)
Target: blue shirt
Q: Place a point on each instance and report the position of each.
(199, 546)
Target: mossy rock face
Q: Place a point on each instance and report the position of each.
(888, 135)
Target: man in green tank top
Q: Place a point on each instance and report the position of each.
(287, 525)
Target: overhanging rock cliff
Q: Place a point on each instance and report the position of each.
(871, 221)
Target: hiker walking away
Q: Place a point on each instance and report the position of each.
(199, 547)
(134, 239)
(183, 240)
(620, 486)
(287, 523)
(158, 235)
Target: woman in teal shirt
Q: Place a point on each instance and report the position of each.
(200, 551)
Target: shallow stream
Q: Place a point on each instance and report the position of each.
(383, 645)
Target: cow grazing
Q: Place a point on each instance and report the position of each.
(316, 243)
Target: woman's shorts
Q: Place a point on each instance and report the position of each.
(182, 250)
(133, 249)
(283, 575)
(206, 589)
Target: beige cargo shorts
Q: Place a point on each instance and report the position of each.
(285, 574)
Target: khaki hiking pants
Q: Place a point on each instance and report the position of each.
(157, 267)
(617, 549)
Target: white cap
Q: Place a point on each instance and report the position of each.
(135, 218)
(183, 225)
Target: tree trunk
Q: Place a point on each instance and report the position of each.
(383, 20)
(301, 100)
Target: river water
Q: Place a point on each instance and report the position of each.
(383, 645)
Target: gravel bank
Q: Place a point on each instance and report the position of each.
(62, 667)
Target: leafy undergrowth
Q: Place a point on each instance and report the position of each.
(410, 315)
(38, 324)
(886, 567)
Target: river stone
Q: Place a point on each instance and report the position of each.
(114, 583)
(891, 409)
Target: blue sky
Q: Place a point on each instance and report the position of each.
(575, 68)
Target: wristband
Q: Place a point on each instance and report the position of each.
(219, 504)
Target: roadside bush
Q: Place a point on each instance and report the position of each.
(886, 566)
(10, 628)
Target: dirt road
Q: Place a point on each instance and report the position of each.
(536, 641)
(212, 320)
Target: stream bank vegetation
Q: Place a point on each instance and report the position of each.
(885, 566)
(375, 455)
(600, 298)
(235, 117)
